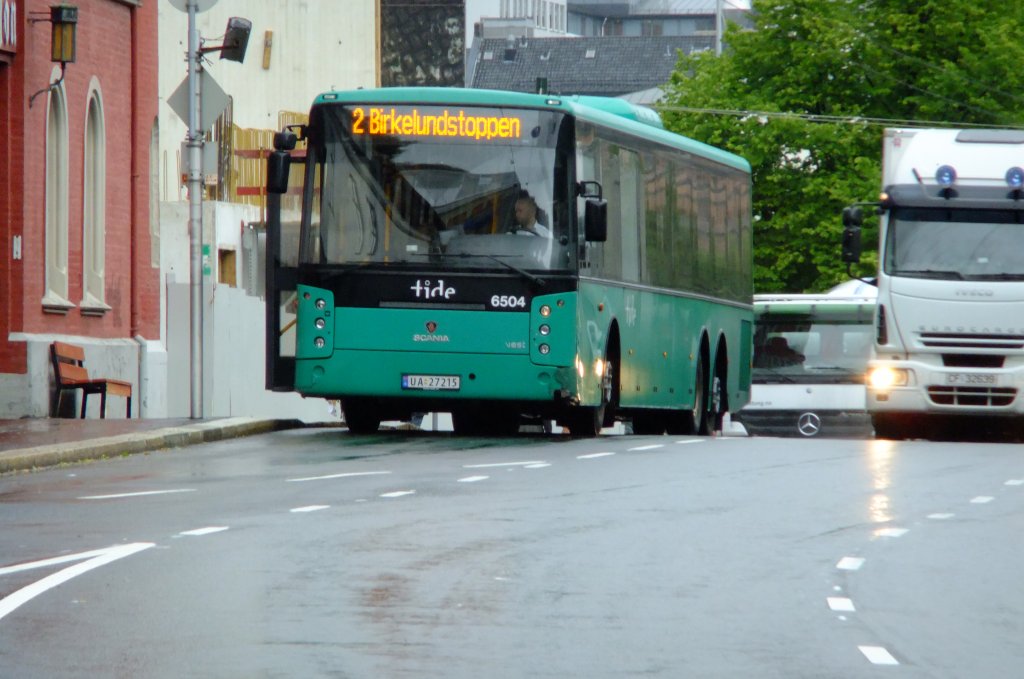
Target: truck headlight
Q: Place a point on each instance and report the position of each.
(883, 377)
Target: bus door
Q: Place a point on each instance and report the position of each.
(281, 270)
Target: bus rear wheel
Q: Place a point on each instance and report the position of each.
(360, 417)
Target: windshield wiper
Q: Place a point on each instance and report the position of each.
(466, 255)
(996, 277)
(929, 273)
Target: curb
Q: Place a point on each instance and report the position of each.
(52, 455)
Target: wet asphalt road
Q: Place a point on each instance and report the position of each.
(318, 553)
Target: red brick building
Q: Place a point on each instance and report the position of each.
(78, 229)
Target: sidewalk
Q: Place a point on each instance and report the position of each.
(28, 444)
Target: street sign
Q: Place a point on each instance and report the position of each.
(214, 100)
(201, 5)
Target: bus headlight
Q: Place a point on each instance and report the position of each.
(320, 304)
(320, 323)
(319, 342)
(544, 349)
(545, 329)
(883, 377)
(545, 311)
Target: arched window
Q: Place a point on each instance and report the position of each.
(55, 298)
(94, 209)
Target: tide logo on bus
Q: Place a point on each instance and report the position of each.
(430, 290)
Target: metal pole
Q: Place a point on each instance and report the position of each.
(195, 222)
(719, 26)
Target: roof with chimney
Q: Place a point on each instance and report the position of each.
(608, 66)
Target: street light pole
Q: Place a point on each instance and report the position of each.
(195, 222)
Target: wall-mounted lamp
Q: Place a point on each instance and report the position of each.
(63, 22)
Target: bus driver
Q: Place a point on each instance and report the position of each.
(526, 211)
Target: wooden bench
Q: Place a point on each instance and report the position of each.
(70, 374)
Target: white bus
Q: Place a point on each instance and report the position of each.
(949, 329)
(810, 356)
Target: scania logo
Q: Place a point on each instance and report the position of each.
(431, 336)
(967, 292)
(809, 424)
(427, 289)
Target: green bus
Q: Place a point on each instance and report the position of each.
(399, 280)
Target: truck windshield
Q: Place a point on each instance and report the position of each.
(811, 350)
(955, 244)
(460, 187)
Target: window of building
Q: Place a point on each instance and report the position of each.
(55, 298)
(94, 209)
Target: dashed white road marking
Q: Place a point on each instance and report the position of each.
(685, 441)
(309, 508)
(95, 559)
(850, 563)
(878, 655)
(593, 456)
(982, 499)
(841, 603)
(198, 532)
(1015, 482)
(891, 532)
(137, 494)
(941, 516)
(335, 476)
(502, 464)
(473, 479)
(398, 493)
(539, 465)
(650, 447)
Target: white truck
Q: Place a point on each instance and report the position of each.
(948, 355)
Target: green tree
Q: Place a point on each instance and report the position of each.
(804, 96)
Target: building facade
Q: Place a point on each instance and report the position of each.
(78, 257)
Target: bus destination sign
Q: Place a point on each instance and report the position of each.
(376, 121)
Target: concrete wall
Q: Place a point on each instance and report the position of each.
(316, 45)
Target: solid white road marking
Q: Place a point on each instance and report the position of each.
(96, 558)
(473, 479)
(650, 447)
(891, 532)
(310, 508)
(138, 494)
(878, 655)
(982, 499)
(841, 603)
(502, 464)
(398, 493)
(850, 563)
(335, 476)
(203, 531)
(941, 516)
(593, 456)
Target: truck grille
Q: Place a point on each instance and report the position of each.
(937, 340)
(992, 397)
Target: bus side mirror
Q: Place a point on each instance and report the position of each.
(595, 220)
(853, 218)
(278, 163)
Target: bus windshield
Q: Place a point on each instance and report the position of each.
(455, 186)
(798, 350)
(955, 244)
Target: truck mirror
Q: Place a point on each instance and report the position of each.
(595, 221)
(851, 244)
(278, 163)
